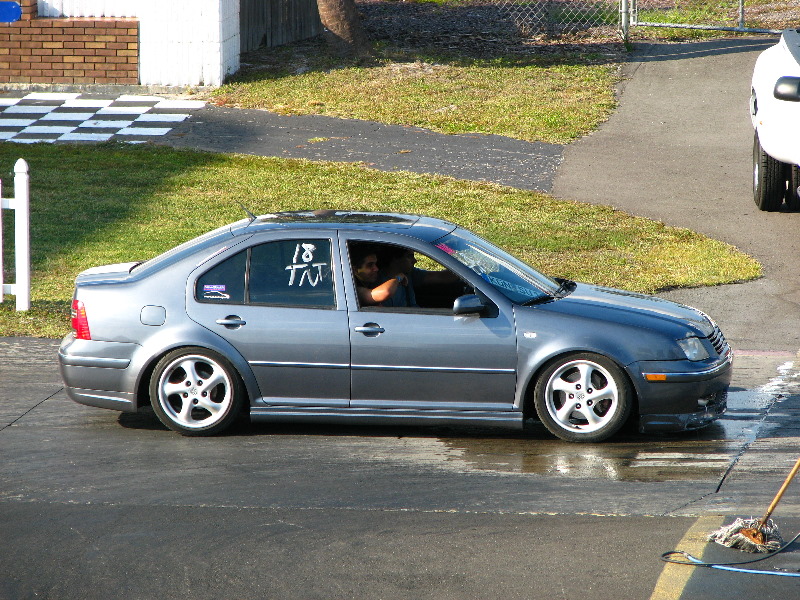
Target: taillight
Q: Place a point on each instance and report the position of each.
(79, 321)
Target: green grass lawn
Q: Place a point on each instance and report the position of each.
(553, 97)
(100, 204)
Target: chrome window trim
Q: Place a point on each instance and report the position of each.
(269, 363)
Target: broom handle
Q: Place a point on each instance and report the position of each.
(779, 495)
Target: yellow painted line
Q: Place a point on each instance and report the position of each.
(673, 579)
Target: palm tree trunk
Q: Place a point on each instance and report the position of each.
(343, 27)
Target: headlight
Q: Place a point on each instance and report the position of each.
(693, 348)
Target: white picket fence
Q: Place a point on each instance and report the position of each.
(20, 204)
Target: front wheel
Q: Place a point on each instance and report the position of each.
(196, 392)
(583, 398)
(769, 179)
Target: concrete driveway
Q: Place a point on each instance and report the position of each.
(679, 150)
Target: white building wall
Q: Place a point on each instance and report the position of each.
(181, 42)
(88, 8)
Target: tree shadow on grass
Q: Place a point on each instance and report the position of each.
(461, 34)
(81, 195)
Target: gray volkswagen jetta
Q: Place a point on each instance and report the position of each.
(379, 318)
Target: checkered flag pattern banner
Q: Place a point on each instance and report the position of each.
(62, 117)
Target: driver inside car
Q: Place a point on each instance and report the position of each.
(372, 289)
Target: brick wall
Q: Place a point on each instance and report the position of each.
(81, 50)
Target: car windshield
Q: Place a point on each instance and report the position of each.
(519, 282)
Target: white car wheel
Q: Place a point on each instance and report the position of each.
(583, 398)
(195, 392)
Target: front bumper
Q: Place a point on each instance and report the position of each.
(715, 406)
(681, 395)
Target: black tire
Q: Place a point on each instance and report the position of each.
(792, 198)
(583, 398)
(196, 392)
(769, 179)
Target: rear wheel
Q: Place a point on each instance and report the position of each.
(583, 398)
(196, 392)
(769, 179)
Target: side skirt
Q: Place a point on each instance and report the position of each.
(365, 416)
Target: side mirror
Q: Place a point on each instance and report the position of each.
(468, 305)
(787, 88)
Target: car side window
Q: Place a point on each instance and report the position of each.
(281, 273)
(395, 278)
(224, 283)
(293, 273)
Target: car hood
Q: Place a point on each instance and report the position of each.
(631, 308)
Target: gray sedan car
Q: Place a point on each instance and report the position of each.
(377, 318)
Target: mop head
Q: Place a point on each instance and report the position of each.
(733, 536)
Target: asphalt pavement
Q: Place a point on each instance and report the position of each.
(94, 504)
(679, 150)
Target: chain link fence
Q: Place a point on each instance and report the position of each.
(556, 17)
(725, 15)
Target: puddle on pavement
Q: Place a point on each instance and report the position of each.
(704, 455)
(643, 460)
(700, 455)
(767, 411)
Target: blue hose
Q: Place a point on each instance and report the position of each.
(696, 562)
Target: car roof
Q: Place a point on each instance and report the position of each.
(426, 228)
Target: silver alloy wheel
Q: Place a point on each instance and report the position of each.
(195, 392)
(582, 396)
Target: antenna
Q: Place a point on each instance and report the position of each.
(250, 215)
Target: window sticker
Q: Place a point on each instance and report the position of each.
(303, 262)
(215, 292)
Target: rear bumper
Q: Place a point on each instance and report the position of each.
(102, 399)
(97, 374)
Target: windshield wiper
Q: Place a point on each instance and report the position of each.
(565, 289)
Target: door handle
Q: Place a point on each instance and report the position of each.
(370, 329)
(231, 322)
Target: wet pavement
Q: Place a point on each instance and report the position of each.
(98, 504)
(709, 471)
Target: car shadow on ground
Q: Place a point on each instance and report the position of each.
(534, 431)
(666, 51)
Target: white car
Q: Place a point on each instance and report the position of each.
(775, 113)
